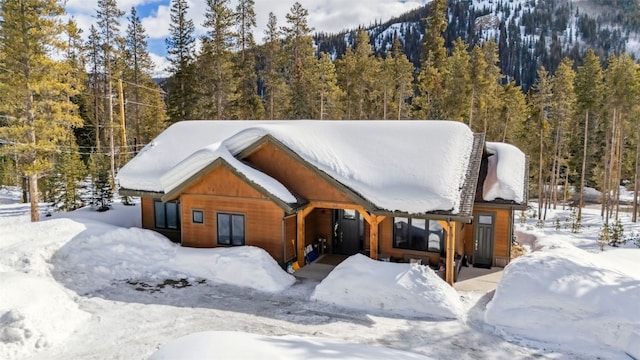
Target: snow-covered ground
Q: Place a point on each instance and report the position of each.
(89, 285)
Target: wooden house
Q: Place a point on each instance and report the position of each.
(389, 189)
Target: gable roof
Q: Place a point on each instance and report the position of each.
(412, 167)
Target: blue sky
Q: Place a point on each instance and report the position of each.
(324, 15)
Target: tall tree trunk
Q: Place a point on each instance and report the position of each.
(33, 197)
(584, 164)
(634, 217)
(540, 174)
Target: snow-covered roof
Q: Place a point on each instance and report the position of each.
(506, 173)
(408, 166)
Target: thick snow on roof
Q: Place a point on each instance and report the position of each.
(410, 166)
(505, 174)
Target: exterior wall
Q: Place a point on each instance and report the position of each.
(290, 230)
(295, 176)
(148, 220)
(502, 233)
(318, 224)
(223, 191)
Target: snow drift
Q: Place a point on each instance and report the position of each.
(567, 295)
(389, 288)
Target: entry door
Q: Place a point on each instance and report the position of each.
(347, 234)
(484, 225)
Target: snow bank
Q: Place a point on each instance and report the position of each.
(505, 173)
(390, 288)
(36, 314)
(564, 295)
(240, 345)
(92, 262)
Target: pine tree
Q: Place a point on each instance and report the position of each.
(276, 92)
(36, 87)
(541, 103)
(247, 103)
(215, 66)
(67, 177)
(589, 98)
(327, 104)
(562, 112)
(396, 77)
(457, 83)
(428, 103)
(181, 97)
(136, 76)
(299, 47)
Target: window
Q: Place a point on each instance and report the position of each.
(230, 229)
(197, 216)
(418, 234)
(167, 215)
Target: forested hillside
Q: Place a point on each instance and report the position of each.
(556, 79)
(529, 33)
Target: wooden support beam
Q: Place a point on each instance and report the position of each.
(301, 233)
(449, 262)
(374, 222)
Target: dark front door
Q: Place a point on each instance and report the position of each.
(484, 224)
(348, 232)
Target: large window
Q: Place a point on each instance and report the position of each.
(167, 215)
(418, 234)
(230, 229)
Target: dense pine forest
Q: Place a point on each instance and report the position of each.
(544, 75)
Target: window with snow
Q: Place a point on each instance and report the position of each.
(230, 229)
(418, 234)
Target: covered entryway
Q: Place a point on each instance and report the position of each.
(484, 225)
(348, 232)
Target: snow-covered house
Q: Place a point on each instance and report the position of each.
(392, 189)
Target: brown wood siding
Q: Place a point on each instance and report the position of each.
(318, 224)
(290, 231)
(222, 191)
(294, 175)
(502, 232)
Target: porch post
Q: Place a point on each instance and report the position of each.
(449, 262)
(301, 233)
(373, 235)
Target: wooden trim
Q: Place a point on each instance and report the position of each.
(450, 253)
(301, 230)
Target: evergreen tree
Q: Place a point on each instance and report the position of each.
(428, 103)
(541, 104)
(513, 114)
(327, 104)
(181, 97)
(247, 103)
(108, 16)
(457, 82)
(358, 74)
(395, 79)
(68, 173)
(137, 77)
(36, 87)
(276, 92)
(562, 112)
(299, 47)
(215, 66)
(589, 88)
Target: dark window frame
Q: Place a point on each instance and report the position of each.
(164, 220)
(193, 216)
(233, 239)
(408, 238)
